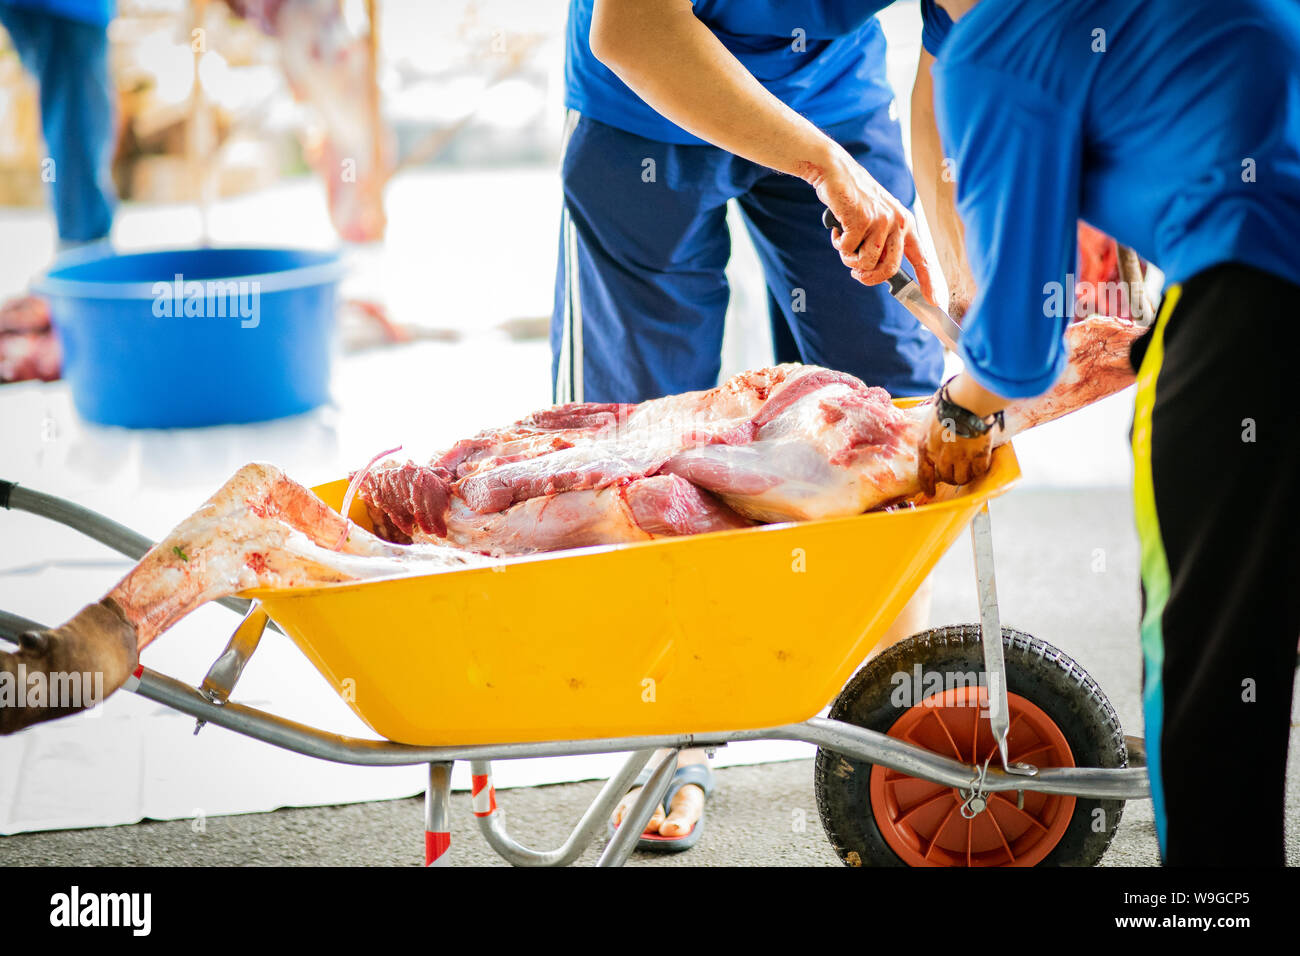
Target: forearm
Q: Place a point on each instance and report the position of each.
(662, 51)
(973, 396)
(936, 185)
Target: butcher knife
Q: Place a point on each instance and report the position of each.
(904, 288)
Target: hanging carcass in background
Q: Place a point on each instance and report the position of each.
(333, 70)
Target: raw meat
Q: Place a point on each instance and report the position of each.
(1101, 287)
(28, 347)
(787, 443)
(421, 508)
(25, 356)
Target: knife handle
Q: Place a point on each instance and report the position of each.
(897, 282)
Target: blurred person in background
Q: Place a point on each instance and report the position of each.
(676, 108)
(63, 44)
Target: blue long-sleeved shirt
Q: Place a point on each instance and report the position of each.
(1172, 125)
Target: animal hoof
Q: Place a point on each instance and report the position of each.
(67, 669)
(35, 641)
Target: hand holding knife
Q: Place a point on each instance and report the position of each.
(905, 290)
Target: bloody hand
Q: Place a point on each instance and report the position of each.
(874, 232)
(945, 456)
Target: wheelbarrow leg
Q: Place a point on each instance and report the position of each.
(493, 827)
(437, 829)
(995, 670)
(629, 831)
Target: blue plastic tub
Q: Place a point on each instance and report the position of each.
(196, 336)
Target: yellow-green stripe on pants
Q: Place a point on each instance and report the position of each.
(1155, 566)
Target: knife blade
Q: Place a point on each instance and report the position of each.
(904, 288)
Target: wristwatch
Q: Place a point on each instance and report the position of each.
(964, 422)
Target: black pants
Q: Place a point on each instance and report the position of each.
(1215, 438)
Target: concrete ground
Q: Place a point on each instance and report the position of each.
(1067, 572)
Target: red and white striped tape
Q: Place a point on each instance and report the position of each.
(435, 848)
(132, 682)
(484, 795)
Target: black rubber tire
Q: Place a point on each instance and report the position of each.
(1037, 671)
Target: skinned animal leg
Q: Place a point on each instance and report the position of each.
(259, 530)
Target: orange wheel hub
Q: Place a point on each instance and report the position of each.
(921, 820)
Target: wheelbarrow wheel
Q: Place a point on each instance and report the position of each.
(926, 690)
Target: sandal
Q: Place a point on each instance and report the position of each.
(697, 773)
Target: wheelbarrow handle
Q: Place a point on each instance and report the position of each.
(90, 523)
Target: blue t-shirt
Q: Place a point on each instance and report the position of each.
(935, 26)
(1172, 125)
(98, 12)
(823, 58)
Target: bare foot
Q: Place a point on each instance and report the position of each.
(687, 805)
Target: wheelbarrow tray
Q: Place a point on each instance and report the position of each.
(730, 630)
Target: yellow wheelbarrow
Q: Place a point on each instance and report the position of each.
(944, 749)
